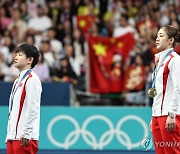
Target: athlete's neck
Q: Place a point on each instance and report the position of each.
(167, 49)
(24, 68)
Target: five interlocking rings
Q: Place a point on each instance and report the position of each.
(90, 138)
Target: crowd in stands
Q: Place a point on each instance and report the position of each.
(51, 26)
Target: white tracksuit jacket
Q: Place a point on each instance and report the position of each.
(167, 85)
(25, 118)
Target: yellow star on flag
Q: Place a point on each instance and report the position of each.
(120, 45)
(82, 23)
(100, 50)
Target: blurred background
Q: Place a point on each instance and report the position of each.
(96, 61)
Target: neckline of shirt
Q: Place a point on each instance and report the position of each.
(163, 53)
(22, 73)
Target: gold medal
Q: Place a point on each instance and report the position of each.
(152, 92)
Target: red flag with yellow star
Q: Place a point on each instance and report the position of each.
(106, 57)
(84, 23)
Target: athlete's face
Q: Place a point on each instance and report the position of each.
(22, 62)
(162, 40)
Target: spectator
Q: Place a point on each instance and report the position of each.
(66, 12)
(30, 39)
(4, 20)
(10, 73)
(75, 64)
(88, 8)
(65, 32)
(42, 69)
(56, 45)
(48, 54)
(18, 27)
(37, 25)
(24, 12)
(66, 73)
(80, 53)
(174, 20)
(54, 11)
(94, 30)
(124, 27)
(6, 48)
(79, 46)
(3, 66)
(32, 8)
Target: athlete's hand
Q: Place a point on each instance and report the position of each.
(170, 124)
(24, 141)
(150, 125)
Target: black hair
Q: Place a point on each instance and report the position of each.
(172, 32)
(31, 36)
(125, 16)
(45, 41)
(42, 57)
(29, 51)
(52, 28)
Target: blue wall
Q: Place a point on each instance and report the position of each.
(53, 93)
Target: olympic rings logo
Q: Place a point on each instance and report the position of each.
(90, 138)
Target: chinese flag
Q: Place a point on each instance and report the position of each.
(134, 79)
(84, 23)
(106, 56)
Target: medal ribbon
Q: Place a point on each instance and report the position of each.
(15, 89)
(157, 69)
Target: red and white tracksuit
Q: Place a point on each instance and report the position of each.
(24, 117)
(166, 101)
